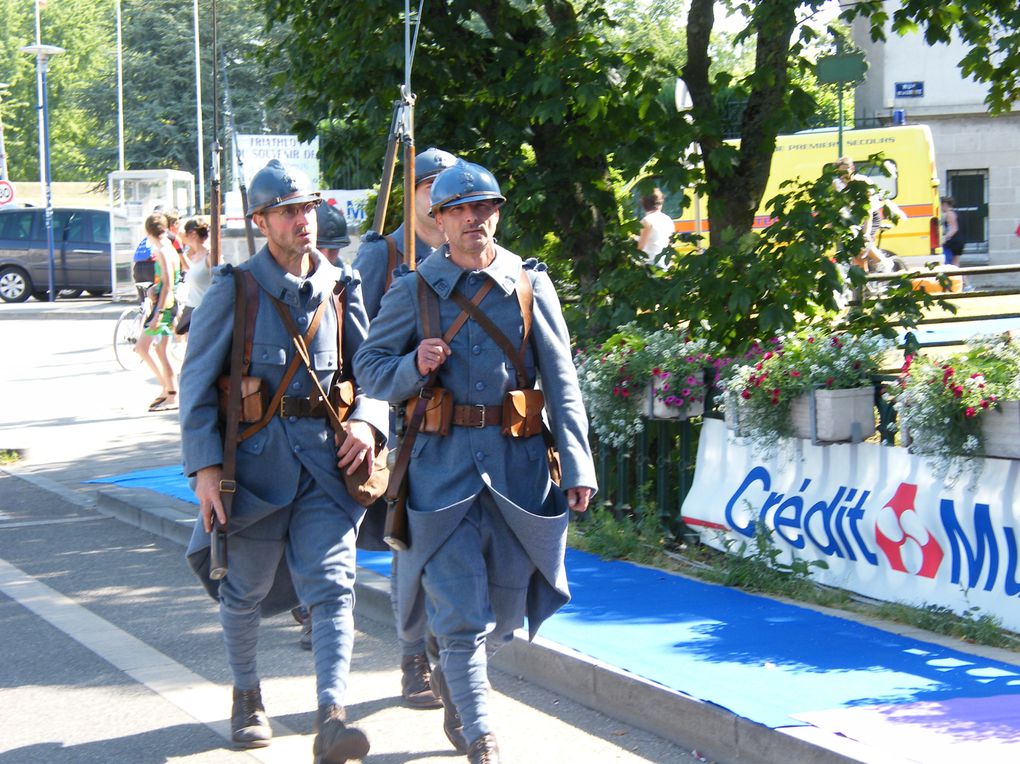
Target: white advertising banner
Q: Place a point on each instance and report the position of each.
(882, 522)
(257, 150)
(352, 203)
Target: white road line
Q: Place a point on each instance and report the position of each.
(190, 692)
(5, 523)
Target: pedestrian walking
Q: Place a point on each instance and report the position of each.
(487, 524)
(293, 522)
(377, 258)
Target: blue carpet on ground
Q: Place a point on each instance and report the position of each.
(761, 659)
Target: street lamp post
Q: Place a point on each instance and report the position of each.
(42, 55)
(3, 150)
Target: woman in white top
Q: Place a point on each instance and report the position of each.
(196, 238)
(656, 228)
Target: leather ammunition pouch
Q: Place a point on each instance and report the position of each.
(522, 413)
(254, 397)
(438, 414)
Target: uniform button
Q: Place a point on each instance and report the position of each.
(297, 448)
(479, 455)
(302, 319)
(476, 349)
(472, 279)
(293, 419)
(479, 385)
(295, 385)
(265, 355)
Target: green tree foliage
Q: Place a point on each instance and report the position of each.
(537, 92)
(160, 128)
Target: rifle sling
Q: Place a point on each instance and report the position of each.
(228, 486)
(391, 261)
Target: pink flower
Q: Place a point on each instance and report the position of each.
(970, 412)
(745, 394)
(829, 382)
(794, 373)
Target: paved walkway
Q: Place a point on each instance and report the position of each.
(96, 427)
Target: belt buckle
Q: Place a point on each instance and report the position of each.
(481, 416)
(284, 409)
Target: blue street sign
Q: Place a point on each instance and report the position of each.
(909, 89)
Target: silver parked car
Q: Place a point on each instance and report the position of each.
(81, 252)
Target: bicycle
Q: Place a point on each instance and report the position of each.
(129, 327)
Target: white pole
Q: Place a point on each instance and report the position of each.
(120, 91)
(198, 115)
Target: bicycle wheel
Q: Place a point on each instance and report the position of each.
(125, 336)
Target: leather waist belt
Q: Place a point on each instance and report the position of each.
(477, 416)
(301, 406)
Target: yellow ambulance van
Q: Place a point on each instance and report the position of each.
(912, 186)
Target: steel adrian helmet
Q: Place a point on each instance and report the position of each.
(332, 227)
(276, 186)
(430, 162)
(462, 184)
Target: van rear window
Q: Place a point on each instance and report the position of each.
(16, 225)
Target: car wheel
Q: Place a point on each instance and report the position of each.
(15, 286)
(69, 294)
(43, 296)
(97, 292)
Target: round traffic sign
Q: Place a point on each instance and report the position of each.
(6, 193)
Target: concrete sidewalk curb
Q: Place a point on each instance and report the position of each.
(711, 730)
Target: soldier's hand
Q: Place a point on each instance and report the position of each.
(357, 446)
(578, 498)
(207, 490)
(432, 353)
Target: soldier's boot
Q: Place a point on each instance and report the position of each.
(335, 742)
(303, 617)
(451, 719)
(249, 725)
(415, 684)
(484, 750)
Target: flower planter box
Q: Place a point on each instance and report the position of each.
(836, 412)
(655, 408)
(1000, 431)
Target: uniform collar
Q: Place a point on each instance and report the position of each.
(442, 274)
(288, 288)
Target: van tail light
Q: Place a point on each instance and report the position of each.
(934, 239)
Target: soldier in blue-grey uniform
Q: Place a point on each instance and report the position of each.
(293, 525)
(332, 236)
(487, 525)
(377, 257)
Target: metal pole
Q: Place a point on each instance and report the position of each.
(39, 99)
(120, 94)
(840, 119)
(3, 150)
(198, 115)
(51, 270)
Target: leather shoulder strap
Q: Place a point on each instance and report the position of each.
(251, 311)
(228, 486)
(516, 355)
(339, 299)
(391, 261)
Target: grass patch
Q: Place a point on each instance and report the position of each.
(9, 456)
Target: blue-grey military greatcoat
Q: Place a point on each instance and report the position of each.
(372, 263)
(447, 473)
(270, 462)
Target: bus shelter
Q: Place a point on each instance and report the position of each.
(134, 195)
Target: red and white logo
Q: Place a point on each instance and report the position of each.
(903, 539)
